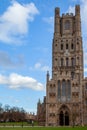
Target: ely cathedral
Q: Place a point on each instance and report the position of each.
(65, 103)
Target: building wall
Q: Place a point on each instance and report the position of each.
(41, 112)
(65, 92)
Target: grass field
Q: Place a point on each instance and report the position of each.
(43, 128)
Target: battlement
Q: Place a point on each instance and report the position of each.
(67, 15)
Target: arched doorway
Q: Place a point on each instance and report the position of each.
(64, 116)
(61, 117)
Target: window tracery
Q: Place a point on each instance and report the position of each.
(67, 25)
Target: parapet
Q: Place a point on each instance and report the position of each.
(67, 15)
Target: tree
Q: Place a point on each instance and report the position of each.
(1, 111)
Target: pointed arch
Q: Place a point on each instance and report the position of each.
(59, 89)
(68, 90)
(63, 88)
(64, 115)
(72, 61)
(62, 61)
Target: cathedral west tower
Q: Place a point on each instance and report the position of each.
(65, 91)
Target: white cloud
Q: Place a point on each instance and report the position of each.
(49, 20)
(83, 15)
(74, 0)
(16, 81)
(7, 62)
(85, 70)
(45, 68)
(13, 99)
(14, 23)
(85, 58)
(38, 66)
(71, 10)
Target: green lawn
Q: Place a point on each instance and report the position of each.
(44, 128)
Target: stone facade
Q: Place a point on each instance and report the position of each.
(29, 117)
(66, 92)
(41, 112)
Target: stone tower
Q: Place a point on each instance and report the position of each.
(65, 91)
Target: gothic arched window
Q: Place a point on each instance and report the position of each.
(72, 46)
(63, 88)
(68, 88)
(86, 85)
(72, 61)
(78, 45)
(61, 46)
(67, 25)
(72, 75)
(62, 62)
(66, 46)
(59, 89)
(77, 60)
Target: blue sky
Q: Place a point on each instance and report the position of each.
(26, 33)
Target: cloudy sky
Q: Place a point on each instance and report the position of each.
(26, 33)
